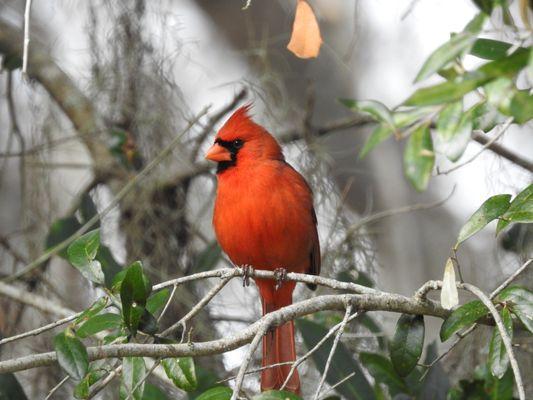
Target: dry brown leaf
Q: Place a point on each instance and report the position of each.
(305, 39)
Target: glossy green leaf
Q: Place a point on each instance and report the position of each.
(84, 249)
(71, 355)
(493, 208)
(181, 371)
(216, 393)
(148, 323)
(382, 371)
(462, 317)
(380, 133)
(343, 363)
(82, 253)
(407, 344)
(133, 371)
(109, 265)
(498, 358)
(276, 395)
(419, 158)
(522, 203)
(520, 302)
(60, 231)
(376, 109)
(99, 323)
(446, 53)
(490, 49)
(134, 291)
(157, 301)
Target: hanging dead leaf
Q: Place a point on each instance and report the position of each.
(305, 39)
(449, 297)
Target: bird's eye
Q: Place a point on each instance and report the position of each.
(237, 143)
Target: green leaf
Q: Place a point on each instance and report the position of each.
(523, 202)
(71, 355)
(152, 392)
(216, 393)
(462, 317)
(492, 208)
(521, 107)
(446, 53)
(376, 109)
(276, 395)
(84, 249)
(378, 135)
(157, 301)
(382, 370)
(82, 254)
(498, 358)
(181, 371)
(419, 158)
(61, 230)
(500, 93)
(520, 303)
(489, 49)
(454, 90)
(445, 92)
(134, 292)
(454, 129)
(99, 323)
(343, 363)
(81, 391)
(407, 344)
(133, 371)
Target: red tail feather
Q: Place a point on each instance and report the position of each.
(278, 347)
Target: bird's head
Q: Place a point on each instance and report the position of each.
(241, 141)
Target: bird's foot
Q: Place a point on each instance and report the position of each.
(281, 275)
(247, 271)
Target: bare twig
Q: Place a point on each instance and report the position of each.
(263, 329)
(40, 330)
(100, 385)
(169, 301)
(503, 129)
(197, 308)
(27, 12)
(56, 387)
(303, 358)
(340, 331)
(503, 152)
(336, 385)
(503, 333)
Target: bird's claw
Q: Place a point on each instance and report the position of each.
(247, 271)
(281, 275)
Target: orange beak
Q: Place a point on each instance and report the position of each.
(218, 153)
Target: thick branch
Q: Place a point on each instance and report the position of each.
(367, 302)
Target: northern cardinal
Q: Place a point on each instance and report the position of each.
(264, 218)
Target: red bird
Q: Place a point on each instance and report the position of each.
(264, 218)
